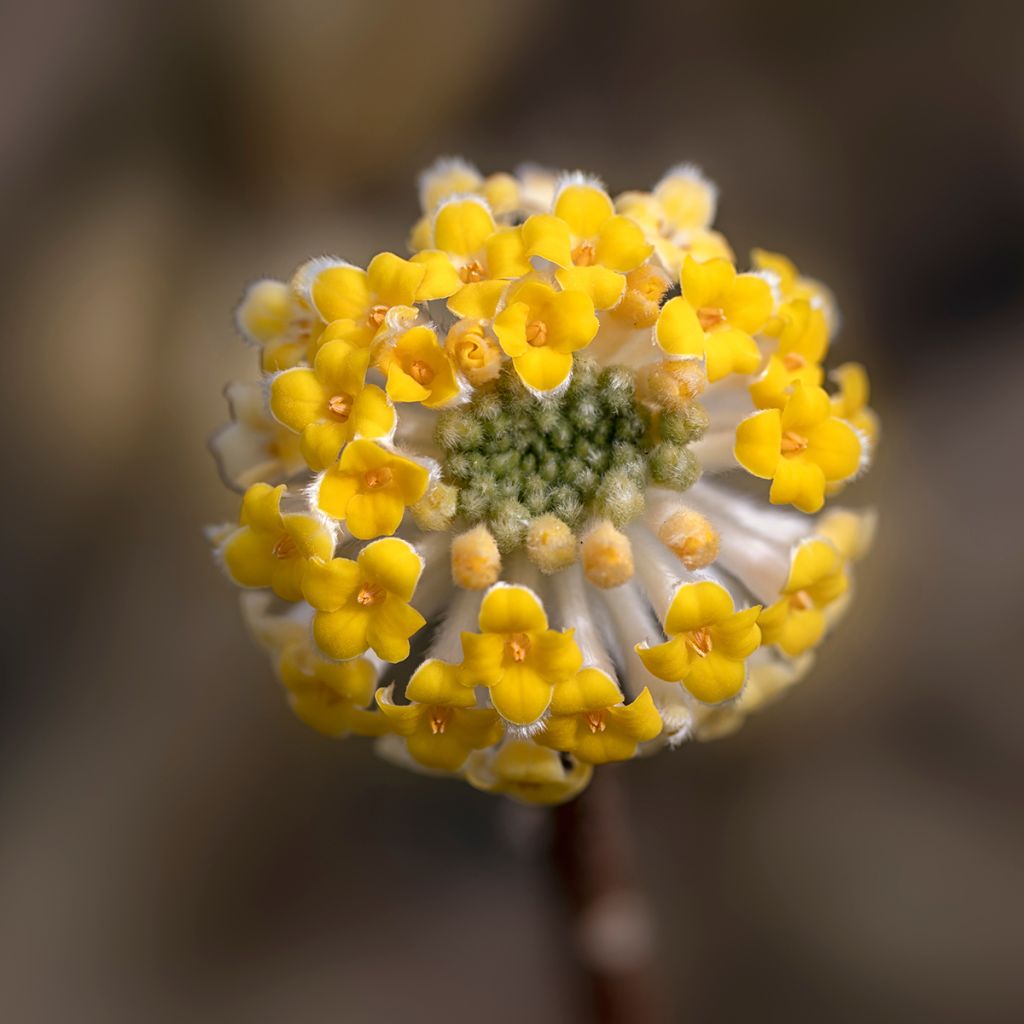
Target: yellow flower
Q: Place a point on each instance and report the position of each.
(676, 217)
(365, 603)
(271, 549)
(589, 719)
(709, 643)
(274, 316)
(331, 403)
(370, 488)
(800, 448)
(803, 342)
(816, 578)
(481, 258)
(328, 696)
(591, 244)
(474, 351)
(792, 286)
(343, 292)
(527, 773)
(541, 328)
(418, 369)
(850, 403)
(715, 316)
(516, 656)
(441, 725)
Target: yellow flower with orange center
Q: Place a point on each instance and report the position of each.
(418, 369)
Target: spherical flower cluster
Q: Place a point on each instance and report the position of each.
(502, 506)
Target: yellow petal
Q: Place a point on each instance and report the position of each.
(522, 695)
(248, 558)
(511, 609)
(639, 719)
(800, 483)
(328, 586)
(374, 515)
(715, 678)
(584, 208)
(621, 245)
(337, 489)
(265, 311)
(555, 656)
(603, 286)
(749, 303)
(478, 300)
(835, 447)
(510, 329)
(393, 281)
(707, 284)
(506, 254)
(806, 408)
(588, 690)
(402, 388)
(394, 564)
(543, 369)
(342, 634)
(441, 278)
(759, 443)
(570, 320)
(391, 624)
(372, 414)
(687, 198)
(548, 238)
(340, 366)
(438, 683)
(482, 658)
(669, 661)
(730, 351)
(696, 605)
(463, 226)
(261, 507)
(813, 561)
(678, 330)
(322, 443)
(341, 292)
(297, 398)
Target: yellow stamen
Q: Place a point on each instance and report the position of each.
(375, 479)
(519, 646)
(340, 406)
(710, 317)
(792, 443)
(285, 547)
(438, 718)
(421, 372)
(801, 601)
(473, 271)
(537, 333)
(595, 720)
(583, 255)
(371, 593)
(793, 361)
(376, 315)
(700, 641)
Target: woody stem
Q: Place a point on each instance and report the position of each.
(611, 929)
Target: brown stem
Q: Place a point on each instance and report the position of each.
(611, 927)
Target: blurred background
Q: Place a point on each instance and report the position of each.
(173, 844)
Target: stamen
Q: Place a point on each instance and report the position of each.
(793, 444)
(793, 361)
(421, 372)
(801, 601)
(376, 315)
(473, 271)
(518, 646)
(371, 593)
(595, 720)
(710, 316)
(375, 479)
(700, 641)
(285, 547)
(439, 719)
(340, 406)
(537, 333)
(583, 255)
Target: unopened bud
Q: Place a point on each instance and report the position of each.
(607, 556)
(691, 538)
(476, 563)
(550, 544)
(436, 509)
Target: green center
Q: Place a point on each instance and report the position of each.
(587, 453)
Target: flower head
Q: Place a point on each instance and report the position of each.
(490, 520)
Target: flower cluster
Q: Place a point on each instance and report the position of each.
(499, 499)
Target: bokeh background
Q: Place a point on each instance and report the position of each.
(174, 845)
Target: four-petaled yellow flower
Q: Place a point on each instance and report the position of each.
(479, 257)
(276, 317)
(527, 773)
(589, 719)
(709, 642)
(816, 578)
(800, 448)
(328, 696)
(441, 725)
(516, 656)
(370, 488)
(271, 549)
(541, 328)
(792, 285)
(803, 342)
(365, 603)
(715, 316)
(592, 246)
(341, 291)
(418, 369)
(331, 403)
